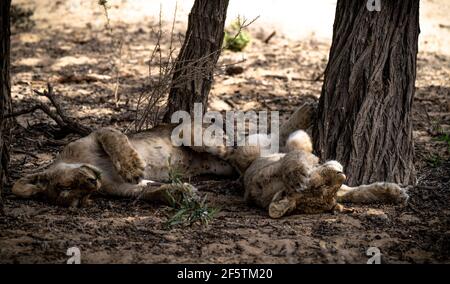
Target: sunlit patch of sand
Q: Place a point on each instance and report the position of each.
(72, 60)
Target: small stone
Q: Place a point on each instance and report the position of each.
(234, 70)
(376, 215)
(408, 218)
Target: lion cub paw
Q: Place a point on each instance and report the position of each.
(131, 168)
(398, 195)
(339, 208)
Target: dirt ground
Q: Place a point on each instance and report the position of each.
(277, 76)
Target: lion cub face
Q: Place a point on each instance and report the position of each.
(67, 185)
(329, 174)
(316, 194)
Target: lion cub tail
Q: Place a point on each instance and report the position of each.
(299, 140)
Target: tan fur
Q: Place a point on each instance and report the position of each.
(134, 166)
(296, 182)
(302, 118)
(114, 164)
(376, 192)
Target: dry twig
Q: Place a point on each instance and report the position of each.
(150, 101)
(59, 115)
(266, 41)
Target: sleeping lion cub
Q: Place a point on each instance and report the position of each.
(295, 182)
(112, 163)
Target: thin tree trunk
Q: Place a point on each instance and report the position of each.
(364, 115)
(200, 51)
(5, 92)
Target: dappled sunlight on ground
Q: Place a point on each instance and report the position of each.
(71, 48)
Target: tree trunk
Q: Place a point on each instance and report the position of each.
(364, 115)
(5, 92)
(198, 56)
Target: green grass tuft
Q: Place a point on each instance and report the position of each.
(188, 207)
(445, 138)
(190, 210)
(434, 161)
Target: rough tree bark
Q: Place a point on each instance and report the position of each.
(364, 114)
(200, 51)
(5, 91)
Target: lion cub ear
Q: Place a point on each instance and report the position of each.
(281, 205)
(30, 185)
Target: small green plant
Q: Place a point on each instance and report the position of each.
(188, 206)
(236, 43)
(436, 126)
(434, 161)
(175, 175)
(235, 38)
(445, 138)
(189, 210)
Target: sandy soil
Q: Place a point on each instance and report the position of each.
(67, 40)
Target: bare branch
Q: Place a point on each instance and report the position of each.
(149, 103)
(59, 116)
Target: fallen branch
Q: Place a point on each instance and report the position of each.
(22, 112)
(60, 117)
(266, 41)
